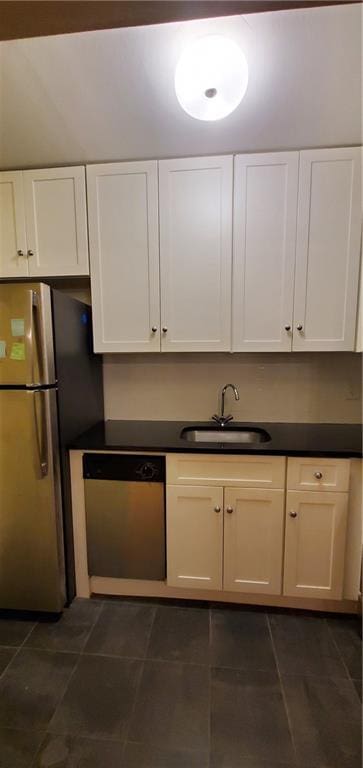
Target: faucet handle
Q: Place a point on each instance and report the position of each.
(227, 419)
(216, 418)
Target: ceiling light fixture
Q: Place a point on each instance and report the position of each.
(211, 77)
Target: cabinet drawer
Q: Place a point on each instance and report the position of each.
(310, 474)
(238, 471)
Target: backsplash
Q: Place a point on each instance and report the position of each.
(301, 387)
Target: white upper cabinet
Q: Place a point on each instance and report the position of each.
(124, 252)
(56, 221)
(264, 237)
(195, 253)
(13, 246)
(194, 524)
(43, 223)
(327, 252)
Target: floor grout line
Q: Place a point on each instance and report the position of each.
(282, 689)
(18, 649)
(138, 685)
(349, 677)
(330, 632)
(32, 763)
(65, 690)
(97, 619)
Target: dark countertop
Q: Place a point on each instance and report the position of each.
(339, 440)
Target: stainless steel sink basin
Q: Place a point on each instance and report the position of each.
(224, 435)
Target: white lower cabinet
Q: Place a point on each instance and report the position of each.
(230, 537)
(253, 540)
(227, 538)
(194, 536)
(315, 544)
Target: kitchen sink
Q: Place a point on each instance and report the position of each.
(224, 435)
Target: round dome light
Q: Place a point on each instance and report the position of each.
(211, 77)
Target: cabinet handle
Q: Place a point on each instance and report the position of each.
(299, 327)
(30, 252)
(318, 475)
(20, 252)
(165, 329)
(154, 329)
(229, 510)
(293, 514)
(217, 509)
(287, 327)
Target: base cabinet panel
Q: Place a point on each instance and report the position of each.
(315, 544)
(253, 540)
(194, 536)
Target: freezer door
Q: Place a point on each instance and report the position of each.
(26, 335)
(31, 540)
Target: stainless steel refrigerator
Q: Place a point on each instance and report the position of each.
(50, 391)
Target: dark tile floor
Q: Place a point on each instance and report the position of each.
(129, 684)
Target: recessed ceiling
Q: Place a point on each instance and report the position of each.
(110, 95)
(33, 18)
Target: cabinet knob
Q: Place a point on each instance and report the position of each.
(165, 329)
(154, 329)
(30, 252)
(299, 327)
(20, 252)
(287, 327)
(229, 510)
(217, 509)
(318, 475)
(293, 514)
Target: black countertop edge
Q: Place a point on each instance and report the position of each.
(329, 440)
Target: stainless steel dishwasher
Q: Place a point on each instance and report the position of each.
(125, 515)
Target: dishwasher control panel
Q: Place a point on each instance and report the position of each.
(137, 468)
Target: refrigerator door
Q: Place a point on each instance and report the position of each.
(26, 335)
(31, 536)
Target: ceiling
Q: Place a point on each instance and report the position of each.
(33, 18)
(109, 95)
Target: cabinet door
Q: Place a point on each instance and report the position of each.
(124, 250)
(195, 253)
(194, 536)
(327, 251)
(56, 221)
(253, 540)
(315, 544)
(264, 239)
(13, 249)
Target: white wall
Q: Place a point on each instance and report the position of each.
(306, 387)
(109, 94)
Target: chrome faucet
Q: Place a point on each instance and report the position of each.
(222, 420)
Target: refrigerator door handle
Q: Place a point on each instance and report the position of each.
(41, 432)
(35, 338)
